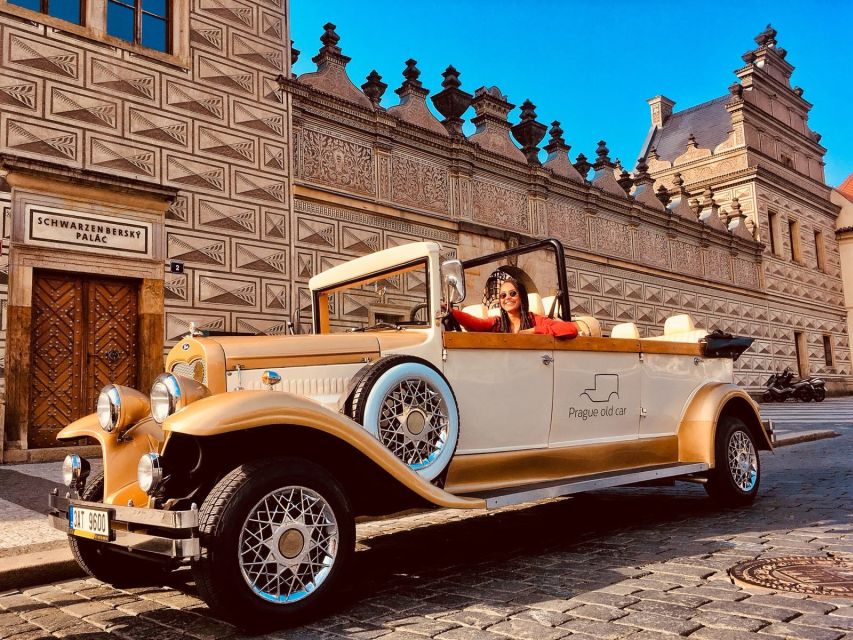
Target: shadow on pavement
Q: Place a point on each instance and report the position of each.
(25, 490)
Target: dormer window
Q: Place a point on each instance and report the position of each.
(68, 10)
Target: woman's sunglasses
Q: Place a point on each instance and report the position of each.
(511, 294)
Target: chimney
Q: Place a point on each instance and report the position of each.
(661, 109)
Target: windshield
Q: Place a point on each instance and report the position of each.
(393, 300)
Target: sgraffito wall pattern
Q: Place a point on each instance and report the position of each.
(218, 131)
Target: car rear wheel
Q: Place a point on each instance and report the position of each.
(276, 536)
(104, 562)
(736, 475)
(410, 408)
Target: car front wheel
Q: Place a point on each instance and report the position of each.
(277, 536)
(736, 475)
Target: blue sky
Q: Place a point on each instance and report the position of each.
(593, 65)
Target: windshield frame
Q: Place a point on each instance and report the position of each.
(320, 297)
(560, 265)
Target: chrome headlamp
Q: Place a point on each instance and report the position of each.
(119, 408)
(75, 470)
(165, 397)
(149, 473)
(171, 392)
(109, 408)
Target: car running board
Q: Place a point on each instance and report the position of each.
(529, 492)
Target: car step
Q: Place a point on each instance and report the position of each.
(516, 495)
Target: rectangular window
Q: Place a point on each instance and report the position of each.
(794, 236)
(802, 354)
(827, 350)
(773, 220)
(819, 251)
(68, 10)
(142, 22)
(786, 160)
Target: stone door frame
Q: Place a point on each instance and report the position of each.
(43, 185)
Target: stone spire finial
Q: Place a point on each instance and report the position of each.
(695, 207)
(691, 142)
(625, 180)
(678, 203)
(582, 165)
(644, 186)
(603, 159)
(711, 211)
(737, 222)
(605, 178)
(452, 102)
(492, 134)
(331, 75)
(663, 195)
(374, 88)
(766, 38)
(529, 132)
(294, 53)
(556, 133)
(558, 154)
(413, 107)
(411, 74)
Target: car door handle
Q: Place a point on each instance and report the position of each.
(546, 359)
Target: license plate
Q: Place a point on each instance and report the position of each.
(89, 523)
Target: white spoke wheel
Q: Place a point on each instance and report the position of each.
(276, 536)
(410, 408)
(736, 474)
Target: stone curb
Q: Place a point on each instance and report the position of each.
(805, 436)
(42, 567)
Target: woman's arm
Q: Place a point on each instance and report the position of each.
(556, 328)
(473, 323)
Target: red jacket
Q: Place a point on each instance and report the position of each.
(541, 324)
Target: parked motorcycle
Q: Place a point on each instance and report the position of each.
(781, 386)
(818, 389)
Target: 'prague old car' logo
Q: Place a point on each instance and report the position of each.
(604, 389)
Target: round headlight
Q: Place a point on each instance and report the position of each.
(149, 473)
(165, 397)
(109, 408)
(71, 468)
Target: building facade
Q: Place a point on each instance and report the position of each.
(122, 163)
(190, 178)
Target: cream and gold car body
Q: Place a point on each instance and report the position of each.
(682, 396)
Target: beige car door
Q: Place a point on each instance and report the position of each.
(503, 385)
(596, 395)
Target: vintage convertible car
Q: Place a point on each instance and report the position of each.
(252, 456)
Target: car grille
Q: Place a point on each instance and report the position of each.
(194, 369)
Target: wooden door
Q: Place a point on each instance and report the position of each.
(84, 337)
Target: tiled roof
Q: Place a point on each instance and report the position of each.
(709, 123)
(846, 187)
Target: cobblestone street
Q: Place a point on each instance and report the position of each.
(628, 563)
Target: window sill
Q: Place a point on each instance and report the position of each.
(100, 37)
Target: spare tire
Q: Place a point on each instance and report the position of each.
(408, 405)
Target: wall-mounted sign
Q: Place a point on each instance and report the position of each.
(89, 232)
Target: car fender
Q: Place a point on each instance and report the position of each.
(120, 457)
(698, 426)
(249, 409)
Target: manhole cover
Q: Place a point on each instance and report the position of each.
(800, 574)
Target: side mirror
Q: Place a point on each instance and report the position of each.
(453, 280)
